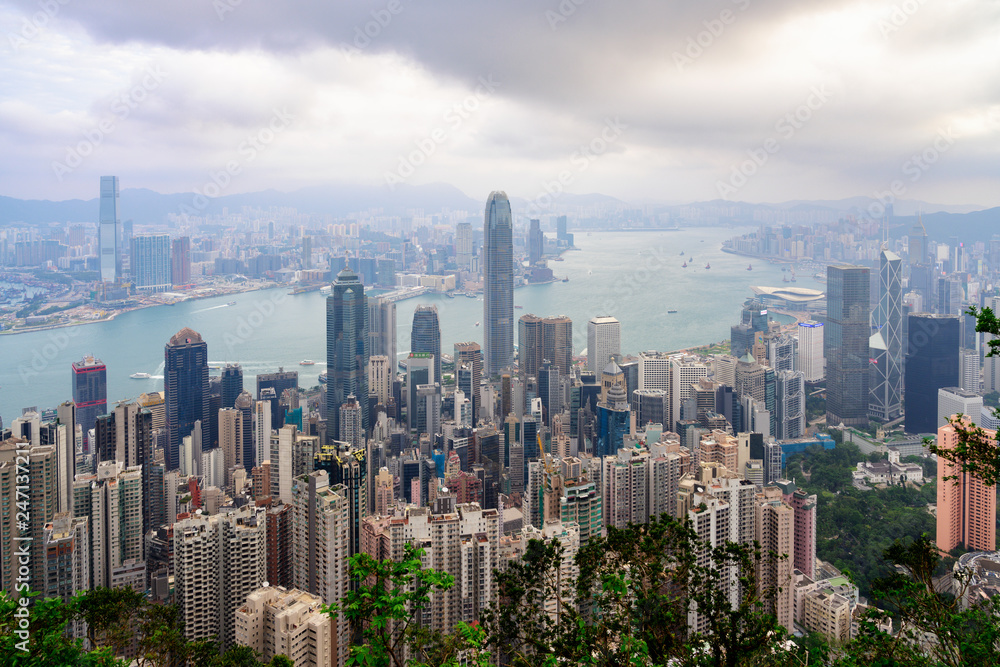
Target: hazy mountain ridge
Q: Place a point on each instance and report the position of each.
(147, 207)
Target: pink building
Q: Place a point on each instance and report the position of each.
(804, 557)
(966, 507)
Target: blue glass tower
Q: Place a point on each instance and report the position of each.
(346, 348)
(498, 285)
(185, 383)
(425, 336)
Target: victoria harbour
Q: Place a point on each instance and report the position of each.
(634, 276)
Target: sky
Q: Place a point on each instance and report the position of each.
(649, 101)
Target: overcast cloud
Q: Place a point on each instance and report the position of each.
(833, 98)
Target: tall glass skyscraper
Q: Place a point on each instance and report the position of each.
(498, 285)
(108, 230)
(90, 392)
(185, 383)
(346, 348)
(231, 384)
(845, 345)
(425, 335)
(886, 341)
(932, 363)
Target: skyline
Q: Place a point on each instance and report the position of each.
(647, 104)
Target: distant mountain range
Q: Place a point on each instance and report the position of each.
(147, 207)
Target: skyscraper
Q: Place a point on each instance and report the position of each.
(845, 345)
(966, 507)
(753, 320)
(604, 335)
(529, 344)
(90, 392)
(886, 341)
(346, 348)
(180, 261)
(931, 363)
(232, 384)
(382, 328)
(463, 246)
(425, 335)
(111, 262)
(185, 385)
(536, 242)
(470, 353)
(149, 262)
(498, 284)
(811, 350)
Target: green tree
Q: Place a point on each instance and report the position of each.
(382, 607)
(111, 615)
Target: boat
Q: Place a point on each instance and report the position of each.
(519, 307)
(750, 267)
(784, 279)
(565, 280)
(449, 295)
(231, 303)
(684, 265)
(140, 376)
(307, 362)
(708, 266)
(682, 252)
(471, 295)
(477, 324)
(671, 311)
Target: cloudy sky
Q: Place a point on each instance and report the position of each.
(754, 100)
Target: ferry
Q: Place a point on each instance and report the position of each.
(708, 266)
(477, 324)
(671, 311)
(471, 295)
(140, 376)
(307, 362)
(565, 280)
(449, 295)
(231, 303)
(519, 307)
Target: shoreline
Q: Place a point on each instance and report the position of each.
(66, 325)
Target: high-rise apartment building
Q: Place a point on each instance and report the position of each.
(218, 561)
(498, 285)
(932, 358)
(684, 372)
(277, 621)
(185, 383)
(775, 531)
(111, 262)
(66, 545)
(790, 405)
(811, 361)
(112, 502)
(966, 507)
(380, 377)
(425, 335)
(347, 468)
(845, 345)
(150, 262)
(604, 336)
(346, 348)
(464, 249)
(90, 392)
(886, 342)
(41, 491)
(321, 535)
